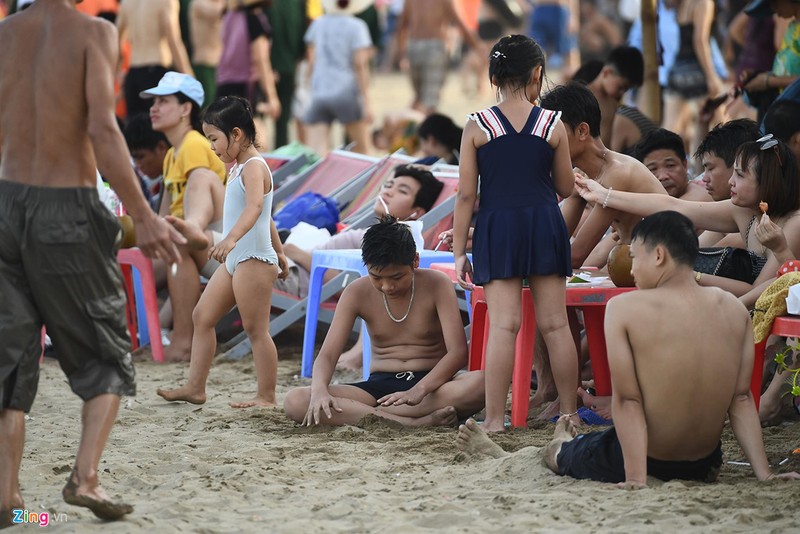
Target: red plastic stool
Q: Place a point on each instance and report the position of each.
(133, 257)
(523, 351)
(782, 326)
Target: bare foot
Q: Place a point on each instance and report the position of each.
(259, 402)
(552, 410)
(95, 499)
(446, 416)
(7, 516)
(474, 441)
(541, 397)
(565, 428)
(174, 353)
(182, 394)
(195, 237)
(599, 405)
(769, 411)
(350, 361)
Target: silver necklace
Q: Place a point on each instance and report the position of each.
(410, 302)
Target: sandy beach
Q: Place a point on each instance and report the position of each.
(211, 468)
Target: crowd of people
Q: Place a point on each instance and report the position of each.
(550, 179)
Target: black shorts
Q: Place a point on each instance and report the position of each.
(598, 456)
(58, 267)
(382, 384)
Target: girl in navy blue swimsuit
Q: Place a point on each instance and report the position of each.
(521, 153)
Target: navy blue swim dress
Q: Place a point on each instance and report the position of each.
(519, 230)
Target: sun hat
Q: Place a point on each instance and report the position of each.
(345, 7)
(177, 82)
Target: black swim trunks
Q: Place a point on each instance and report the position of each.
(58, 267)
(381, 384)
(598, 456)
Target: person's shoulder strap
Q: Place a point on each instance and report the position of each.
(545, 123)
(262, 160)
(488, 121)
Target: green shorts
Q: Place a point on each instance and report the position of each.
(58, 268)
(207, 76)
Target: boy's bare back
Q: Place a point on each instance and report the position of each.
(687, 345)
(50, 54)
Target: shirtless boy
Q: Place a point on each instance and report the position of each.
(422, 33)
(151, 27)
(665, 426)
(418, 344)
(58, 243)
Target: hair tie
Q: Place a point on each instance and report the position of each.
(498, 55)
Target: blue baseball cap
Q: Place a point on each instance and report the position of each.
(177, 82)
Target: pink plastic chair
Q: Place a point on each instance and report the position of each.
(133, 257)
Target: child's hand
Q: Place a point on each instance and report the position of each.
(319, 405)
(284, 266)
(770, 234)
(221, 250)
(464, 269)
(590, 190)
(412, 397)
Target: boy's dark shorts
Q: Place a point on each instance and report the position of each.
(58, 267)
(598, 456)
(382, 384)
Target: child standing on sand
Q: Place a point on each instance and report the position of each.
(521, 153)
(250, 250)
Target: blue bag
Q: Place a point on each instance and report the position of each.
(311, 208)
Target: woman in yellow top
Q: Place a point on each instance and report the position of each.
(194, 191)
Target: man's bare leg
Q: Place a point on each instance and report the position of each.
(12, 442)
(565, 431)
(474, 441)
(83, 487)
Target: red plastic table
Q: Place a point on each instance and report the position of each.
(591, 298)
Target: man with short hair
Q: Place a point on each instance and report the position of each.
(665, 426)
(717, 152)
(58, 242)
(664, 154)
(418, 344)
(609, 81)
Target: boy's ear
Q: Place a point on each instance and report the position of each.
(583, 131)
(416, 260)
(661, 255)
(418, 212)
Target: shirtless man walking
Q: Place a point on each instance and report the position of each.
(666, 426)
(418, 344)
(205, 23)
(422, 34)
(58, 243)
(152, 28)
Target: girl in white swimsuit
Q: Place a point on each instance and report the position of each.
(251, 251)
